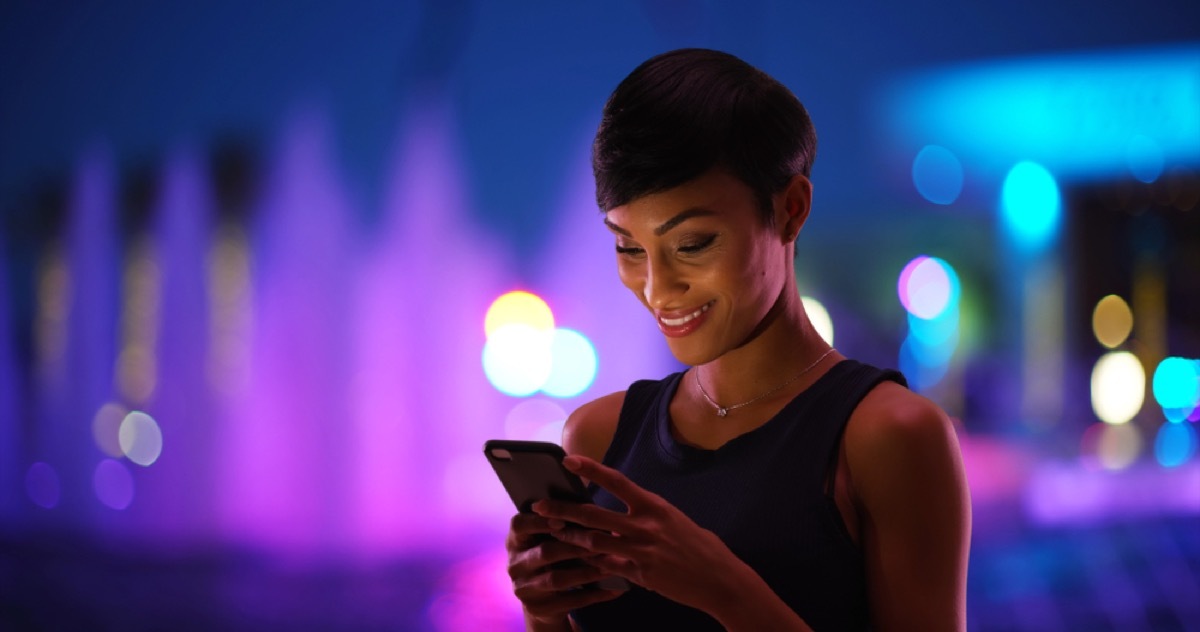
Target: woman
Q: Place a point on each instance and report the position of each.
(775, 484)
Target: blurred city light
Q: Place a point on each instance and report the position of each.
(1030, 205)
(525, 353)
(518, 308)
(572, 364)
(1176, 387)
(1077, 114)
(937, 174)
(140, 438)
(517, 358)
(1112, 320)
(113, 484)
(929, 289)
(106, 428)
(1145, 158)
(1175, 444)
(1118, 387)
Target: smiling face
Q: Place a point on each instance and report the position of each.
(702, 260)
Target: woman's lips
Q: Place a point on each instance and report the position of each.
(677, 324)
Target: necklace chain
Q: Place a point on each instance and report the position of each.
(724, 410)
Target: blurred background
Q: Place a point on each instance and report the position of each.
(273, 272)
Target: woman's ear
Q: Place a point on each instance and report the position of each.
(792, 211)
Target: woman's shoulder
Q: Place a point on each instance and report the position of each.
(899, 444)
(893, 419)
(590, 429)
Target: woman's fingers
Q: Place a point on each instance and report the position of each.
(615, 482)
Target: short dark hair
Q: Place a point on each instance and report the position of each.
(684, 112)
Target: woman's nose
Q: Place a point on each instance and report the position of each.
(663, 285)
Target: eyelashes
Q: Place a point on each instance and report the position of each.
(687, 248)
(698, 246)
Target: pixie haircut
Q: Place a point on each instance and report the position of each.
(684, 112)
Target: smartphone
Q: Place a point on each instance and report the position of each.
(531, 471)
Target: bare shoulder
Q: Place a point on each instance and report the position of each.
(900, 444)
(909, 485)
(590, 429)
(893, 422)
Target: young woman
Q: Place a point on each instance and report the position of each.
(775, 484)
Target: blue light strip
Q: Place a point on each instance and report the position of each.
(1076, 114)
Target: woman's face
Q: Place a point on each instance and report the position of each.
(701, 258)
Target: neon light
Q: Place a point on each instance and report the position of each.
(1074, 114)
(1030, 205)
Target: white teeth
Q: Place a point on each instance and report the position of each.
(675, 322)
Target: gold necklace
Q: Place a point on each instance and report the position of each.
(724, 410)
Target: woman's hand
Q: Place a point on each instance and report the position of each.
(654, 544)
(550, 577)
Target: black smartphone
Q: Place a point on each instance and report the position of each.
(532, 470)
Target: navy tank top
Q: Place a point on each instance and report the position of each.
(767, 494)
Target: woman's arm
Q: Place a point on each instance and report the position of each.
(913, 501)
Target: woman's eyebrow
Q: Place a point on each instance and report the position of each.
(682, 217)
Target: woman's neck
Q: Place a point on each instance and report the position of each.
(785, 344)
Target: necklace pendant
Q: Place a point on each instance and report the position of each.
(721, 412)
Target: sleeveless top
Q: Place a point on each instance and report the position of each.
(768, 494)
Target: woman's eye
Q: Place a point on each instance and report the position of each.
(697, 246)
(628, 251)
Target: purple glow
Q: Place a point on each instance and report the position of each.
(353, 419)
(282, 450)
(74, 386)
(1072, 493)
(172, 500)
(113, 484)
(41, 483)
(421, 401)
(476, 594)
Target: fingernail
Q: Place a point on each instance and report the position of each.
(557, 524)
(572, 462)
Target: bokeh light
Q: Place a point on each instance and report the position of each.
(937, 174)
(1030, 205)
(819, 317)
(517, 358)
(1176, 387)
(572, 364)
(1111, 447)
(930, 291)
(938, 335)
(140, 438)
(927, 287)
(515, 308)
(918, 367)
(1118, 387)
(1112, 320)
(1145, 157)
(1175, 444)
(106, 428)
(113, 484)
(528, 418)
(42, 485)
